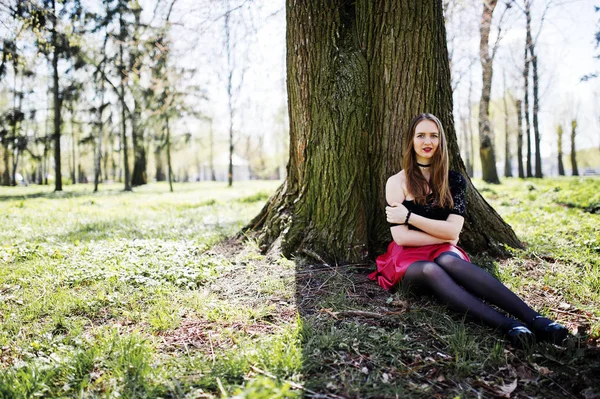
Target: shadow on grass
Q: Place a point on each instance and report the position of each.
(19, 196)
(103, 230)
(361, 341)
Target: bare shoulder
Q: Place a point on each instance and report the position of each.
(395, 187)
(398, 178)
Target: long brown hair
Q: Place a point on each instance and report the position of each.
(416, 184)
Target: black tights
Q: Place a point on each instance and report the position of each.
(462, 286)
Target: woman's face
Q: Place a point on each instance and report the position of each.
(426, 141)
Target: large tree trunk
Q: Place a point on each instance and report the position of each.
(486, 135)
(561, 168)
(357, 74)
(573, 152)
(519, 106)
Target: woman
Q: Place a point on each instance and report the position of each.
(427, 206)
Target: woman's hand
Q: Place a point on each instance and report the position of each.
(396, 213)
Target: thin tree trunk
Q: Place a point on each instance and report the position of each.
(123, 107)
(213, 177)
(526, 79)
(98, 149)
(486, 136)
(6, 174)
(561, 168)
(74, 141)
(160, 174)
(229, 94)
(519, 106)
(573, 152)
(57, 102)
(169, 167)
(139, 152)
(536, 103)
(507, 157)
(352, 94)
(470, 152)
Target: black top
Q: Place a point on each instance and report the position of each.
(458, 189)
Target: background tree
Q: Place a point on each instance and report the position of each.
(573, 152)
(527, 62)
(559, 134)
(507, 156)
(352, 93)
(519, 107)
(486, 135)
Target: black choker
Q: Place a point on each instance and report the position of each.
(423, 166)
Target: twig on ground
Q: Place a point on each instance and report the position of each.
(314, 255)
(578, 315)
(223, 392)
(212, 352)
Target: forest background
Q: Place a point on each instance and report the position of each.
(192, 87)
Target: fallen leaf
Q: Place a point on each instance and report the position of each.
(542, 370)
(507, 389)
(564, 306)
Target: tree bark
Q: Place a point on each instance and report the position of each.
(357, 74)
(486, 135)
(561, 168)
(519, 106)
(573, 152)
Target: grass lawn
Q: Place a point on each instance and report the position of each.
(142, 294)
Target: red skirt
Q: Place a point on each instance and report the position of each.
(392, 265)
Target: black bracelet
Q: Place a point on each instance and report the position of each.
(407, 216)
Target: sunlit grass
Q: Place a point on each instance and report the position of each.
(125, 294)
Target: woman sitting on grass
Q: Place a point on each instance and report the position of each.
(427, 206)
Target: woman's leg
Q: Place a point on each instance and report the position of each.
(484, 285)
(424, 274)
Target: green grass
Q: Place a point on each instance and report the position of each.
(115, 294)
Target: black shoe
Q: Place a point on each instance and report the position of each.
(520, 337)
(548, 330)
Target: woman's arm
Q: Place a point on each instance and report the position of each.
(414, 238)
(448, 229)
(394, 193)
